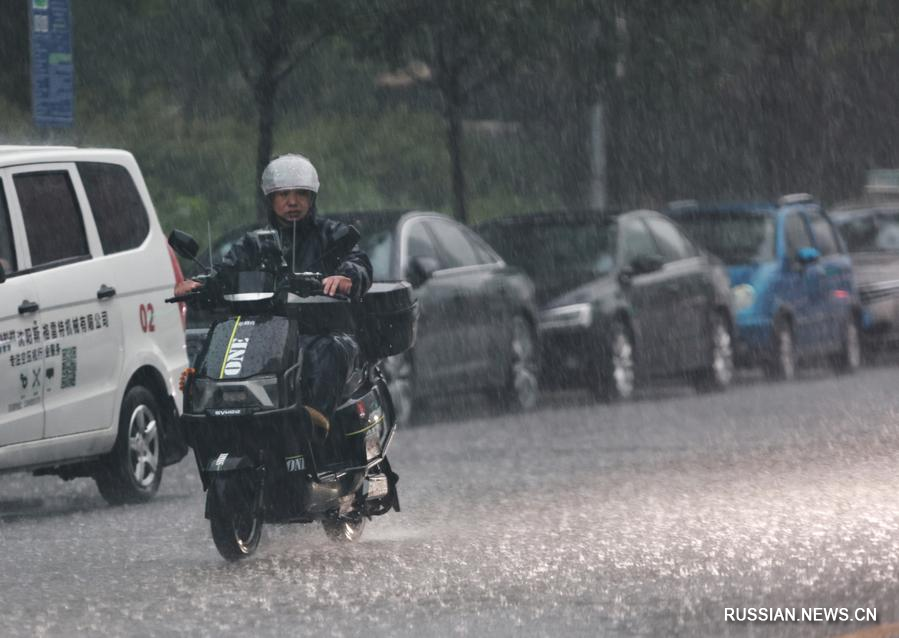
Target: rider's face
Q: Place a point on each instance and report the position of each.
(291, 206)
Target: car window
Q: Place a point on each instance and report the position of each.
(379, 248)
(457, 250)
(53, 221)
(419, 243)
(484, 253)
(672, 244)
(571, 251)
(795, 234)
(7, 250)
(635, 240)
(887, 231)
(868, 233)
(823, 233)
(736, 238)
(119, 213)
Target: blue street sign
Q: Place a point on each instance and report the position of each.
(52, 72)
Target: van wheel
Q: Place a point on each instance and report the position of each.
(849, 358)
(782, 365)
(132, 471)
(617, 372)
(720, 370)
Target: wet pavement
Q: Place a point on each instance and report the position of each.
(580, 519)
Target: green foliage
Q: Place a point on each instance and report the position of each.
(389, 159)
(703, 98)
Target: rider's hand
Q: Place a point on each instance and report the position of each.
(184, 287)
(337, 284)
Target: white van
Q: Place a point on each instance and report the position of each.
(90, 354)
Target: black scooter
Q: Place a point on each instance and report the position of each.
(261, 458)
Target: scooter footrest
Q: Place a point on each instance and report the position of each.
(375, 487)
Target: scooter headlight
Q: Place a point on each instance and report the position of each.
(254, 394)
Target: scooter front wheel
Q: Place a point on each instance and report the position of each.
(236, 536)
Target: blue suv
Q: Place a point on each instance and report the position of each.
(793, 289)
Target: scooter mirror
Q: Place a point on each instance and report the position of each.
(183, 244)
(345, 239)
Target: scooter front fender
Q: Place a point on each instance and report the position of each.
(236, 492)
(228, 463)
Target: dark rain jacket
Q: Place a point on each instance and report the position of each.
(314, 252)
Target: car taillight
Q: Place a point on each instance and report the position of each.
(179, 277)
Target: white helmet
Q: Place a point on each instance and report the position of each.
(289, 172)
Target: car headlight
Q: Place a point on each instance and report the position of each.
(573, 316)
(255, 394)
(743, 296)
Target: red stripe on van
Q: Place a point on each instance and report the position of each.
(179, 277)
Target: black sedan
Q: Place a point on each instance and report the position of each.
(871, 233)
(477, 329)
(478, 325)
(623, 296)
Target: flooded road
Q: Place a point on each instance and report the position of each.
(580, 519)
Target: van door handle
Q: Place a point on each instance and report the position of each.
(28, 306)
(105, 292)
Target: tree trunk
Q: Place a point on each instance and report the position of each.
(575, 151)
(454, 140)
(265, 91)
(265, 102)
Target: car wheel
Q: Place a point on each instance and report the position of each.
(398, 371)
(782, 364)
(617, 373)
(849, 358)
(344, 531)
(522, 387)
(720, 371)
(132, 471)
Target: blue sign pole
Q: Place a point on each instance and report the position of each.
(52, 71)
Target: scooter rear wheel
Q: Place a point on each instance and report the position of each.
(236, 536)
(343, 531)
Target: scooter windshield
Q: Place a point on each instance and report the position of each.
(252, 285)
(242, 347)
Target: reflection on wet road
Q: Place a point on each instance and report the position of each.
(641, 519)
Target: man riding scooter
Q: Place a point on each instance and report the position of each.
(290, 184)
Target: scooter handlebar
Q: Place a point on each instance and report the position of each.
(309, 284)
(187, 297)
(305, 284)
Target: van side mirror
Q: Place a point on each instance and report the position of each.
(808, 255)
(183, 244)
(421, 269)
